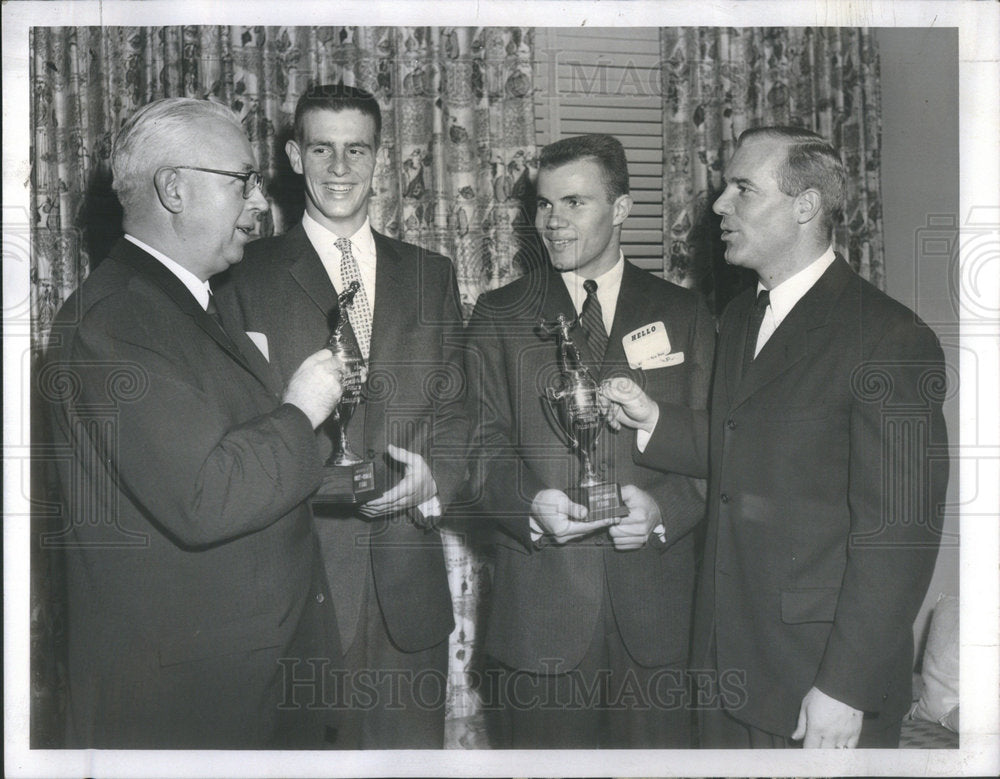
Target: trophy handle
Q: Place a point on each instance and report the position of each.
(551, 400)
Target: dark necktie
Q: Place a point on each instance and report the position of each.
(213, 311)
(753, 327)
(592, 319)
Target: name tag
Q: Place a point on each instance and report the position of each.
(649, 347)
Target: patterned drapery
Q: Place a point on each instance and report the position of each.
(458, 131)
(719, 81)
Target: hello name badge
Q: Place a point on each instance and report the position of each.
(648, 347)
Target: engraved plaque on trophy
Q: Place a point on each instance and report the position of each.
(347, 478)
(576, 408)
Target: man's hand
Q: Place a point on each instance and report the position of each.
(633, 531)
(558, 517)
(826, 723)
(630, 406)
(315, 387)
(416, 486)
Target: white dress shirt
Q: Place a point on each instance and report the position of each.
(196, 286)
(782, 298)
(362, 247)
(608, 285)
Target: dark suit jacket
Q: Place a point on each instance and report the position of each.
(192, 563)
(414, 399)
(546, 601)
(828, 472)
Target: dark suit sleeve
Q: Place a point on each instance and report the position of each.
(173, 443)
(682, 495)
(502, 486)
(679, 442)
(895, 490)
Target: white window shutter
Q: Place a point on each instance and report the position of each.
(607, 80)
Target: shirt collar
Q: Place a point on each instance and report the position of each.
(200, 289)
(783, 297)
(362, 242)
(607, 282)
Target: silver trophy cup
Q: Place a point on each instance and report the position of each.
(575, 405)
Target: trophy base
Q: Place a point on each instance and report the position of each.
(602, 500)
(345, 485)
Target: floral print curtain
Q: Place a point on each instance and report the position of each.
(458, 128)
(719, 81)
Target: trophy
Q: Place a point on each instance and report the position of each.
(347, 478)
(581, 418)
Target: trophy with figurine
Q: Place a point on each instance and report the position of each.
(575, 405)
(348, 479)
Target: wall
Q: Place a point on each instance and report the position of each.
(920, 183)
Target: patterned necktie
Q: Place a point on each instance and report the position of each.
(753, 327)
(360, 314)
(592, 319)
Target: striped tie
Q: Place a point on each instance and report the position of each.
(360, 313)
(592, 319)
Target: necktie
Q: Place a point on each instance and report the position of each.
(753, 327)
(592, 319)
(360, 314)
(213, 311)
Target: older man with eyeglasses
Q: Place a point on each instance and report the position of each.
(194, 582)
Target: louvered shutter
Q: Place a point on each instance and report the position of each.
(607, 80)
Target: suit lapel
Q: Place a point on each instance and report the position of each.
(151, 268)
(632, 310)
(307, 269)
(391, 290)
(556, 300)
(553, 300)
(396, 292)
(731, 342)
(794, 339)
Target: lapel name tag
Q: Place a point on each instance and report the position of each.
(649, 347)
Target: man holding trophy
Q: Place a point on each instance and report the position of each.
(396, 442)
(594, 554)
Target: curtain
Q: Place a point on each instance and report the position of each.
(458, 129)
(719, 81)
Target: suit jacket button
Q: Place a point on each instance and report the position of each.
(320, 597)
(731, 424)
(724, 498)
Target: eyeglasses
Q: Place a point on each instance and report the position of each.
(251, 179)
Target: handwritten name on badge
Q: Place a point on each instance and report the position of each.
(648, 347)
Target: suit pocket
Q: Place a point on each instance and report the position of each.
(818, 604)
(260, 632)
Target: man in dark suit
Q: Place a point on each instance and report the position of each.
(828, 470)
(589, 619)
(194, 578)
(384, 558)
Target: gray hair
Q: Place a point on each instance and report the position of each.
(149, 138)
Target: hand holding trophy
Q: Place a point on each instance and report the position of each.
(581, 417)
(347, 478)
